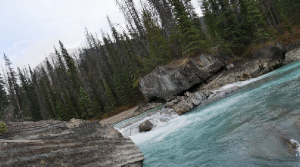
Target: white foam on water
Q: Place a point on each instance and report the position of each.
(295, 142)
(178, 124)
(158, 119)
(239, 83)
(160, 133)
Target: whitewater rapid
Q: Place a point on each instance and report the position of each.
(246, 128)
(160, 117)
(163, 115)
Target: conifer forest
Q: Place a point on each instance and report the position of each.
(102, 78)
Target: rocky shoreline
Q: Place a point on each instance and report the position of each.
(191, 82)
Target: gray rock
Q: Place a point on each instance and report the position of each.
(292, 56)
(229, 66)
(58, 143)
(260, 62)
(181, 104)
(206, 93)
(145, 126)
(165, 82)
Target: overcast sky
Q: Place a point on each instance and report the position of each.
(30, 28)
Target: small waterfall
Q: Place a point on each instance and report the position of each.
(161, 117)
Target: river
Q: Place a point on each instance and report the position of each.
(247, 128)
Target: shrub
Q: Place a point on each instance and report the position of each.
(3, 127)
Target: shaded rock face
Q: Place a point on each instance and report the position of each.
(145, 126)
(293, 46)
(74, 143)
(167, 81)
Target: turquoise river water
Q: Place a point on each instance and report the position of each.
(247, 128)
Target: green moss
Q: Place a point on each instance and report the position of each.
(3, 127)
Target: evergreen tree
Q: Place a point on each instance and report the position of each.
(192, 38)
(3, 97)
(13, 89)
(86, 105)
(159, 48)
(33, 105)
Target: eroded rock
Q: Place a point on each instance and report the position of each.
(58, 143)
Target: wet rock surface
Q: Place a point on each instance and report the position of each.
(74, 143)
(145, 126)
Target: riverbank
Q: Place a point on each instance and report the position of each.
(256, 125)
(260, 62)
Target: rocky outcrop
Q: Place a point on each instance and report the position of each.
(260, 62)
(183, 104)
(167, 81)
(171, 81)
(145, 126)
(74, 143)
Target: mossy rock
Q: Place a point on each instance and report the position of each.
(3, 127)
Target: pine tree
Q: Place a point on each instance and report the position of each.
(255, 23)
(72, 69)
(159, 48)
(3, 97)
(13, 89)
(86, 105)
(192, 38)
(33, 103)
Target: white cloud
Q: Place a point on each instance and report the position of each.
(30, 28)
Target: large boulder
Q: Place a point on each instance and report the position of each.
(145, 126)
(183, 104)
(167, 81)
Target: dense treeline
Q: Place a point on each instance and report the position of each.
(104, 75)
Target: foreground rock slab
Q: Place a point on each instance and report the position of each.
(74, 143)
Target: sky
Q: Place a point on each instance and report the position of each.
(29, 29)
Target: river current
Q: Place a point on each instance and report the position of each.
(247, 128)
